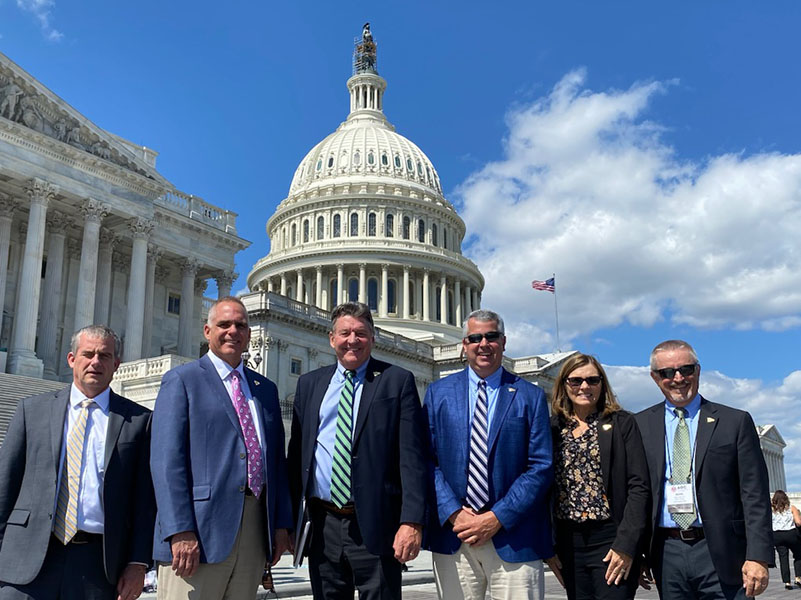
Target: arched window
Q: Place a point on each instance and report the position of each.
(319, 164)
(372, 293)
(412, 298)
(397, 162)
(320, 228)
(419, 169)
(331, 162)
(407, 225)
(389, 225)
(445, 237)
(437, 294)
(357, 158)
(384, 159)
(333, 298)
(451, 314)
(305, 230)
(290, 293)
(434, 234)
(354, 224)
(283, 237)
(337, 226)
(294, 234)
(370, 158)
(353, 290)
(421, 230)
(371, 224)
(392, 296)
(409, 166)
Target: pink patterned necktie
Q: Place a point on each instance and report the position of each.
(255, 465)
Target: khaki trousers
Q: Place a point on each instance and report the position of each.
(476, 573)
(238, 576)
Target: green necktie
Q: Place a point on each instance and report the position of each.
(682, 465)
(343, 444)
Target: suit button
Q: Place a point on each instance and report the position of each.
(241, 488)
(242, 455)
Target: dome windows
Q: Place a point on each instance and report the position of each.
(337, 226)
(397, 162)
(384, 159)
(320, 227)
(407, 225)
(354, 224)
(305, 231)
(419, 169)
(370, 158)
(421, 231)
(330, 161)
(371, 224)
(434, 234)
(319, 164)
(409, 166)
(357, 158)
(389, 225)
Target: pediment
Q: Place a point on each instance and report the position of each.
(26, 102)
(771, 432)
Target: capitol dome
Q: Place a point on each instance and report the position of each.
(365, 219)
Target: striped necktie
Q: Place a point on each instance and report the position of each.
(682, 465)
(343, 444)
(66, 521)
(477, 481)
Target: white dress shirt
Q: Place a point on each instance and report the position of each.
(90, 496)
(224, 370)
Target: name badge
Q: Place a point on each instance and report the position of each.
(679, 498)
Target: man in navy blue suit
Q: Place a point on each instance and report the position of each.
(490, 526)
(219, 470)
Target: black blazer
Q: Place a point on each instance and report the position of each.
(29, 463)
(625, 477)
(389, 450)
(731, 485)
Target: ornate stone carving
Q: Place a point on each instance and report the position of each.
(200, 286)
(312, 353)
(58, 222)
(162, 273)
(189, 266)
(141, 227)
(108, 238)
(154, 253)
(226, 279)
(7, 206)
(41, 191)
(23, 230)
(283, 345)
(94, 210)
(121, 262)
(74, 248)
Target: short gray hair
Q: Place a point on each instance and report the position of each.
(669, 346)
(484, 315)
(96, 331)
(357, 310)
(224, 299)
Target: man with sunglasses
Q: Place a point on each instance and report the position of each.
(492, 455)
(711, 514)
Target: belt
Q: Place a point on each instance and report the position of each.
(84, 537)
(345, 511)
(693, 534)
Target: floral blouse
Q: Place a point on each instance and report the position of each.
(580, 494)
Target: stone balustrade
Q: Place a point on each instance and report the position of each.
(148, 367)
(198, 209)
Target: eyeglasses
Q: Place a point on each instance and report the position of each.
(670, 372)
(490, 336)
(577, 381)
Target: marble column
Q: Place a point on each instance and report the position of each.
(443, 300)
(140, 231)
(69, 285)
(47, 341)
(468, 297)
(153, 255)
(189, 268)
(93, 213)
(270, 285)
(426, 296)
(7, 208)
(299, 285)
(406, 291)
(382, 306)
(340, 285)
(363, 283)
(224, 282)
(318, 296)
(108, 240)
(283, 284)
(22, 360)
(457, 302)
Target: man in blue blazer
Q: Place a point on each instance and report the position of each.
(492, 453)
(218, 468)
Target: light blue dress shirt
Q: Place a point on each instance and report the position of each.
(671, 422)
(326, 432)
(493, 386)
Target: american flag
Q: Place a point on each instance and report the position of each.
(549, 285)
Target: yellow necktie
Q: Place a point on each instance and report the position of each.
(66, 522)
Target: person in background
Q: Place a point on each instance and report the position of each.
(601, 484)
(786, 519)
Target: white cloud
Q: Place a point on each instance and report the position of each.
(41, 9)
(769, 404)
(588, 189)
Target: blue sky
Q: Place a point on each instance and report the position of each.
(648, 154)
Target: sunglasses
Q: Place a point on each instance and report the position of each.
(670, 372)
(490, 336)
(577, 381)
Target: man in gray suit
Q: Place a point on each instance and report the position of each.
(76, 499)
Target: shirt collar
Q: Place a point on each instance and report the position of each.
(223, 369)
(359, 372)
(102, 399)
(493, 381)
(692, 408)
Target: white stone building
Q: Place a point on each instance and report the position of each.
(91, 232)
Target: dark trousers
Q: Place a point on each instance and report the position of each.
(71, 572)
(582, 547)
(684, 571)
(339, 563)
(784, 541)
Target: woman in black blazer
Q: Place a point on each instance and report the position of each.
(601, 492)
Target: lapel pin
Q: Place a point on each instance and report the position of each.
(606, 426)
(710, 419)
(511, 390)
(255, 382)
(376, 373)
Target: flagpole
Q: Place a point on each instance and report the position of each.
(556, 314)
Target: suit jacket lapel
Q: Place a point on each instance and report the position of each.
(605, 432)
(215, 384)
(58, 411)
(371, 381)
(707, 421)
(654, 442)
(506, 395)
(117, 412)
